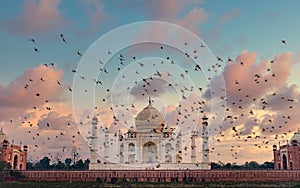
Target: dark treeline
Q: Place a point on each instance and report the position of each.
(44, 164)
(246, 166)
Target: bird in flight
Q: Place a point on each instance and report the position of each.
(219, 59)
(63, 38)
(32, 40)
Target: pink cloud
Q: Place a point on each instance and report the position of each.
(15, 98)
(166, 9)
(241, 80)
(193, 19)
(37, 17)
(247, 79)
(55, 121)
(169, 10)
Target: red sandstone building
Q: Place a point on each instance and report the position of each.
(288, 156)
(13, 154)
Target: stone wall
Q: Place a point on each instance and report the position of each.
(165, 175)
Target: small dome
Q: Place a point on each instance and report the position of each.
(149, 119)
(296, 138)
(2, 136)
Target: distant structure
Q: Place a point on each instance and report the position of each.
(288, 156)
(13, 154)
(149, 145)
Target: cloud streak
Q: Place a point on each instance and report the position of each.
(37, 17)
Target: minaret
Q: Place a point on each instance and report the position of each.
(121, 147)
(94, 138)
(205, 150)
(275, 157)
(178, 147)
(106, 144)
(193, 147)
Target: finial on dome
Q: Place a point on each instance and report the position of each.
(95, 119)
(150, 101)
(204, 118)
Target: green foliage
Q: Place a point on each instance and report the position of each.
(79, 165)
(29, 165)
(253, 165)
(17, 174)
(86, 164)
(44, 164)
(60, 166)
(68, 162)
(99, 180)
(4, 169)
(4, 165)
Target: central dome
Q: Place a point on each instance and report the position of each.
(149, 119)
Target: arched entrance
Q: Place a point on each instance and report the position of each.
(284, 162)
(131, 159)
(149, 153)
(168, 159)
(15, 166)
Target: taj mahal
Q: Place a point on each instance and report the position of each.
(150, 144)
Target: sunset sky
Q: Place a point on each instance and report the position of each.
(258, 42)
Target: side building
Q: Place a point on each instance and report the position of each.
(15, 155)
(288, 156)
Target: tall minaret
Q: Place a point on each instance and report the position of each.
(193, 147)
(205, 150)
(121, 147)
(94, 139)
(106, 145)
(178, 146)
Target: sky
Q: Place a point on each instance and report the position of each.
(249, 72)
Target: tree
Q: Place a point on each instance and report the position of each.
(17, 174)
(253, 165)
(86, 164)
(60, 166)
(74, 154)
(228, 166)
(43, 164)
(247, 165)
(215, 165)
(4, 166)
(57, 158)
(4, 169)
(79, 165)
(267, 165)
(68, 162)
(29, 165)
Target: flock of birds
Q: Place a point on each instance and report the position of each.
(185, 113)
